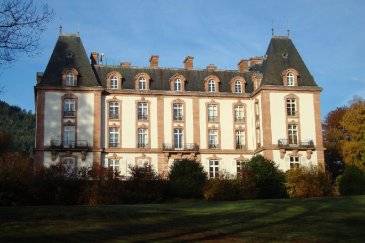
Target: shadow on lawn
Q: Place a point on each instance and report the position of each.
(283, 220)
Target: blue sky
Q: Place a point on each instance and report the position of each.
(329, 35)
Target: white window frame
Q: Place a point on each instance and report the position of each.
(239, 166)
(142, 83)
(114, 164)
(212, 113)
(178, 138)
(69, 136)
(69, 166)
(142, 111)
(142, 137)
(290, 79)
(291, 107)
(294, 162)
(213, 169)
(238, 86)
(114, 137)
(292, 134)
(177, 111)
(69, 107)
(177, 84)
(211, 86)
(213, 138)
(240, 139)
(114, 82)
(113, 110)
(70, 79)
(239, 113)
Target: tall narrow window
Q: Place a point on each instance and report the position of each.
(238, 87)
(213, 138)
(292, 134)
(212, 113)
(240, 139)
(213, 168)
(142, 83)
(290, 79)
(113, 137)
(113, 164)
(239, 114)
(178, 112)
(69, 107)
(69, 136)
(142, 137)
(177, 84)
(142, 111)
(113, 110)
(114, 82)
(294, 162)
(70, 79)
(291, 107)
(211, 86)
(178, 138)
(239, 166)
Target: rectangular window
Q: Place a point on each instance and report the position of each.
(292, 134)
(239, 166)
(213, 168)
(69, 107)
(178, 112)
(239, 114)
(291, 107)
(142, 137)
(113, 164)
(213, 138)
(113, 137)
(212, 113)
(142, 111)
(178, 138)
(69, 136)
(294, 162)
(240, 139)
(113, 110)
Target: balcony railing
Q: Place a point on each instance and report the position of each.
(69, 113)
(142, 145)
(239, 119)
(78, 144)
(213, 146)
(285, 143)
(240, 146)
(142, 117)
(113, 116)
(180, 147)
(212, 118)
(113, 145)
(178, 118)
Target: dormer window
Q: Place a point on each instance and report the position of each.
(177, 84)
(70, 80)
(238, 87)
(114, 82)
(142, 83)
(211, 86)
(290, 79)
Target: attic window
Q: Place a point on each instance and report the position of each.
(238, 87)
(70, 79)
(290, 77)
(142, 84)
(114, 82)
(285, 55)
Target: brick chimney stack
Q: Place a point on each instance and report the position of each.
(188, 62)
(125, 64)
(256, 60)
(94, 57)
(243, 65)
(211, 67)
(154, 61)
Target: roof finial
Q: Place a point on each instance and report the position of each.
(272, 28)
(60, 29)
(288, 30)
(78, 29)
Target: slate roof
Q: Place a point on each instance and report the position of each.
(281, 55)
(69, 52)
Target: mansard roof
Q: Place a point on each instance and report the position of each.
(69, 52)
(281, 55)
(160, 77)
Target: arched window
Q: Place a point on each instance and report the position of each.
(70, 79)
(177, 84)
(211, 86)
(114, 82)
(142, 83)
(290, 79)
(238, 87)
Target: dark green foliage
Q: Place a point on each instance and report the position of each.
(307, 182)
(187, 178)
(268, 179)
(352, 181)
(17, 129)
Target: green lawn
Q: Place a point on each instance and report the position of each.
(298, 220)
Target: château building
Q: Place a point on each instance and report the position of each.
(88, 112)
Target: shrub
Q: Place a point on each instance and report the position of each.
(307, 182)
(187, 178)
(268, 180)
(352, 181)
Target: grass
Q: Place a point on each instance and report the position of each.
(283, 220)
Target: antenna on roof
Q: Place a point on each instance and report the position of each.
(272, 28)
(78, 29)
(288, 30)
(60, 26)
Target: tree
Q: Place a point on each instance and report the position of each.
(21, 23)
(353, 145)
(333, 135)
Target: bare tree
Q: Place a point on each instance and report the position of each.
(21, 23)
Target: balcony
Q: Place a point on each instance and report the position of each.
(182, 147)
(113, 116)
(68, 113)
(240, 146)
(285, 143)
(78, 144)
(212, 118)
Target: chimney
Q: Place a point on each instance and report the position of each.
(125, 64)
(243, 65)
(154, 61)
(39, 77)
(188, 62)
(256, 60)
(211, 67)
(94, 57)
